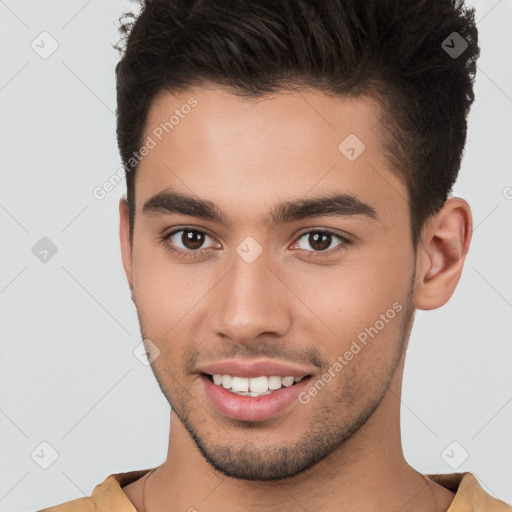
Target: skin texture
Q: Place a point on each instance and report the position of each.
(246, 156)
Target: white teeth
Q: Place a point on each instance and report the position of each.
(239, 384)
(288, 381)
(226, 381)
(258, 384)
(274, 382)
(254, 386)
(252, 393)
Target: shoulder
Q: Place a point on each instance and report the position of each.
(106, 496)
(469, 494)
(78, 505)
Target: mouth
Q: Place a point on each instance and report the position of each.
(253, 398)
(253, 386)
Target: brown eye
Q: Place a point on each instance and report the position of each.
(321, 241)
(188, 243)
(192, 239)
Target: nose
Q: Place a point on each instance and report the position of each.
(250, 301)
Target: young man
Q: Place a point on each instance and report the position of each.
(289, 166)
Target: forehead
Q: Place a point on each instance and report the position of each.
(250, 152)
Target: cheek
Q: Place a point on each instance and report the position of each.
(363, 359)
(362, 299)
(166, 291)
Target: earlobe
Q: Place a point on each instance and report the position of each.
(441, 254)
(124, 236)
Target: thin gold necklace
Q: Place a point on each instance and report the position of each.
(144, 489)
(432, 492)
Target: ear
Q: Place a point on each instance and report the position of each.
(441, 253)
(124, 235)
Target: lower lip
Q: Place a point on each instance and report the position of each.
(252, 408)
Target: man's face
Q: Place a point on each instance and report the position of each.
(243, 289)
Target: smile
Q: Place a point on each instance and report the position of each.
(253, 401)
(254, 386)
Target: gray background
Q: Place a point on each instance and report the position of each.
(68, 375)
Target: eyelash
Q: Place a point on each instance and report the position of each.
(198, 253)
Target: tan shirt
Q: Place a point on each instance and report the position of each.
(109, 496)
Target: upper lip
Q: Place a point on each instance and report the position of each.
(241, 368)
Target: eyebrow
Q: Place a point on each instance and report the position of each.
(331, 205)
